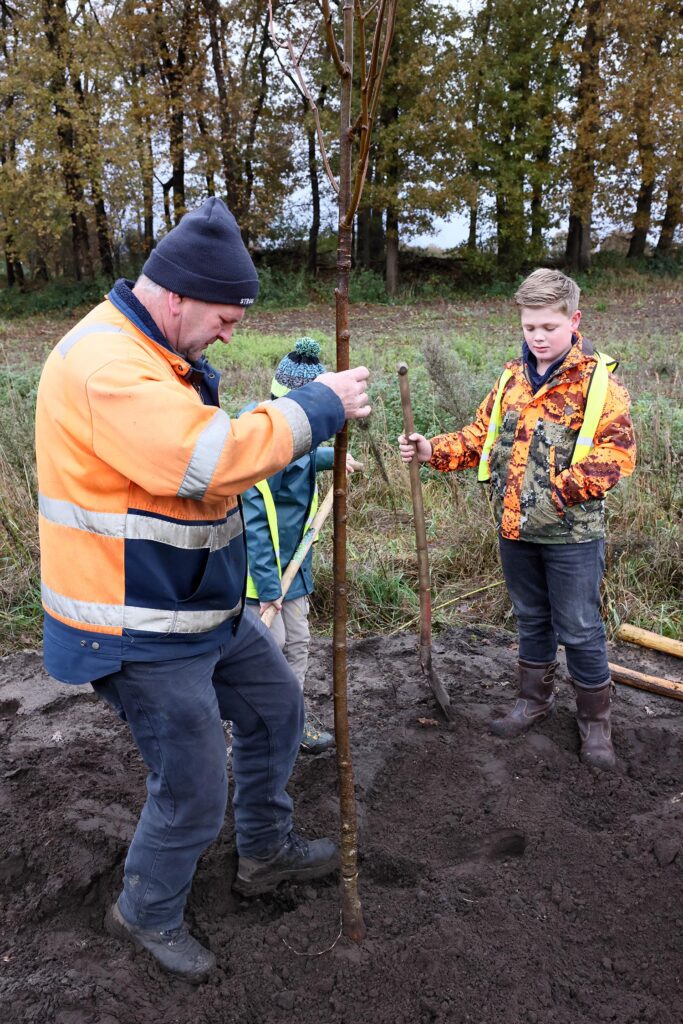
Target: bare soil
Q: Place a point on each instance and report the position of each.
(501, 882)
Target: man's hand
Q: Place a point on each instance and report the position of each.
(350, 387)
(351, 464)
(415, 444)
(277, 605)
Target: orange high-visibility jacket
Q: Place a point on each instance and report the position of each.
(537, 494)
(141, 533)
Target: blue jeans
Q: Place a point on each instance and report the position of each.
(555, 592)
(174, 710)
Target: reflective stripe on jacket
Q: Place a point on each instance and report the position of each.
(142, 544)
(538, 494)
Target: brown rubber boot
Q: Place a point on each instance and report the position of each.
(536, 700)
(595, 727)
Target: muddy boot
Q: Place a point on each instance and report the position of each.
(316, 739)
(297, 860)
(595, 726)
(174, 949)
(536, 700)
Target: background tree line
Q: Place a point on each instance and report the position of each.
(117, 116)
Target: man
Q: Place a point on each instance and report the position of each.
(144, 568)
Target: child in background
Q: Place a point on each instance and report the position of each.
(277, 513)
(553, 436)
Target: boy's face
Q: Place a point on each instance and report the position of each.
(548, 332)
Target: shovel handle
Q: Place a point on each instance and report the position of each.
(418, 514)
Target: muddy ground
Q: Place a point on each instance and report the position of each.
(501, 882)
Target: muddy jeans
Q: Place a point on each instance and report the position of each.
(555, 592)
(174, 710)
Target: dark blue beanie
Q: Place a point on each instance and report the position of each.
(204, 258)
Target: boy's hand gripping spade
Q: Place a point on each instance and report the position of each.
(437, 686)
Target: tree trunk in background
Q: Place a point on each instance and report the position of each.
(314, 230)
(13, 267)
(673, 217)
(314, 182)
(55, 19)
(103, 236)
(362, 237)
(642, 216)
(174, 72)
(255, 117)
(645, 137)
(472, 234)
(510, 228)
(582, 170)
(392, 264)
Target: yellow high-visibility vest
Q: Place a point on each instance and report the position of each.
(595, 403)
(271, 514)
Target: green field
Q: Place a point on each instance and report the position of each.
(455, 349)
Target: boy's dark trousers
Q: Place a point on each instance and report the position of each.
(555, 592)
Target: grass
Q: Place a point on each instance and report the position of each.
(454, 354)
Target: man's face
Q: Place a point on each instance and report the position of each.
(198, 324)
(548, 332)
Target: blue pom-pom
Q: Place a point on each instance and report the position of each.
(308, 347)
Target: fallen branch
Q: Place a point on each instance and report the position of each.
(653, 684)
(656, 642)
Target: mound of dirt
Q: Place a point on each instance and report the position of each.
(501, 882)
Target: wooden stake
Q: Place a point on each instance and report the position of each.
(653, 684)
(656, 642)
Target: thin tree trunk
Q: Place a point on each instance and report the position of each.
(392, 267)
(103, 235)
(645, 136)
(352, 914)
(55, 20)
(673, 217)
(577, 254)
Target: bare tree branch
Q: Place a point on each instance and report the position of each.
(299, 82)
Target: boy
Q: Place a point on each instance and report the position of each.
(277, 513)
(551, 449)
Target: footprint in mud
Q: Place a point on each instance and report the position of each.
(385, 869)
(503, 844)
(9, 708)
(506, 842)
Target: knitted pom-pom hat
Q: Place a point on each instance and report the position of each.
(299, 367)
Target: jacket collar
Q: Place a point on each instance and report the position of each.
(201, 374)
(574, 361)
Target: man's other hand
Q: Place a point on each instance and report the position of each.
(350, 388)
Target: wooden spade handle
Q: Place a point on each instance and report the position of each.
(418, 513)
(297, 558)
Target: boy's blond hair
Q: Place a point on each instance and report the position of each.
(549, 288)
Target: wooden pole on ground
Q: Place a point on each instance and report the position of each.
(653, 684)
(655, 641)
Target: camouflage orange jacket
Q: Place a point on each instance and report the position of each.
(537, 494)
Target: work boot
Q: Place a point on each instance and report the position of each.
(536, 700)
(174, 949)
(315, 737)
(595, 726)
(297, 860)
